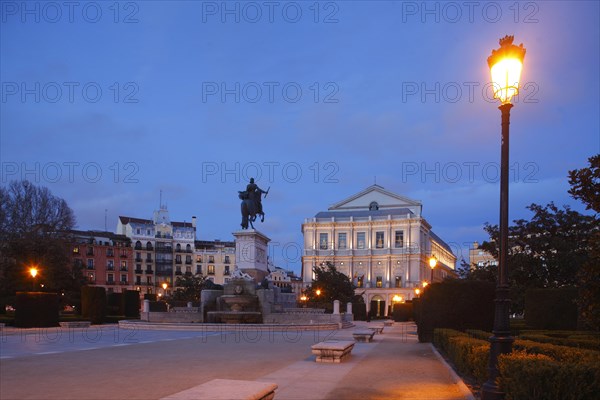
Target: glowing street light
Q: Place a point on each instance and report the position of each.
(318, 292)
(417, 292)
(432, 264)
(33, 272)
(506, 65)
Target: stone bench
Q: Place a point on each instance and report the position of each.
(363, 335)
(227, 389)
(75, 324)
(332, 351)
(376, 329)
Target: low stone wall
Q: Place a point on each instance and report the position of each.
(293, 318)
(170, 317)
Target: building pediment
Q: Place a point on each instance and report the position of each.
(376, 196)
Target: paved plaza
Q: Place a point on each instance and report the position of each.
(116, 363)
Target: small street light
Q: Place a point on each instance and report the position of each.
(432, 264)
(33, 272)
(506, 64)
(318, 292)
(417, 292)
(165, 286)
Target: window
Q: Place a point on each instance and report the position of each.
(323, 241)
(148, 257)
(148, 246)
(123, 265)
(149, 280)
(226, 259)
(109, 252)
(481, 264)
(226, 271)
(188, 270)
(379, 240)
(199, 258)
(138, 280)
(110, 279)
(178, 247)
(198, 269)
(178, 259)
(398, 282)
(188, 259)
(341, 240)
(90, 263)
(211, 259)
(211, 270)
(379, 282)
(359, 282)
(76, 250)
(91, 278)
(360, 240)
(399, 239)
(188, 248)
(373, 206)
(123, 278)
(110, 264)
(138, 231)
(147, 232)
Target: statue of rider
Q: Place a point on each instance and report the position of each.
(254, 192)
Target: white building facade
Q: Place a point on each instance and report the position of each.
(382, 242)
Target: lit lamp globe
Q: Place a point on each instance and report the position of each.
(33, 272)
(505, 65)
(432, 262)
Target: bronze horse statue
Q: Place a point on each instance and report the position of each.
(251, 208)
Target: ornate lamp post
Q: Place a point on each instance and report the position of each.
(432, 264)
(505, 65)
(164, 286)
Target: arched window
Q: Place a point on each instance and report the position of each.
(373, 206)
(148, 246)
(188, 248)
(138, 245)
(178, 247)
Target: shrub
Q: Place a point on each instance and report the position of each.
(538, 376)
(93, 303)
(158, 306)
(581, 341)
(36, 309)
(115, 304)
(455, 304)
(551, 308)
(359, 310)
(131, 304)
(150, 296)
(402, 312)
(559, 353)
(470, 356)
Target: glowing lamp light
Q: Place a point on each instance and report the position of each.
(318, 292)
(164, 286)
(303, 298)
(397, 298)
(432, 262)
(425, 284)
(506, 65)
(33, 272)
(417, 291)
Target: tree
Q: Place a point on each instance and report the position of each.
(33, 222)
(476, 272)
(331, 284)
(188, 287)
(547, 251)
(585, 186)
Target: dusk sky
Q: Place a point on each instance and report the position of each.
(109, 103)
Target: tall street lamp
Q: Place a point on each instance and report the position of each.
(33, 272)
(164, 286)
(505, 65)
(432, 264)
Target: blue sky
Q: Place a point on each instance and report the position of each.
(109, 103)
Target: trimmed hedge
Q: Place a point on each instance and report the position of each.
(532, 371)
(158, 306)
(583, 342)
(359, 310)
(402, 312)
(131, 304)
(455, 304)
(36, 309)
(539, 377)
(551, 308)
(115, 304)
(93, 304)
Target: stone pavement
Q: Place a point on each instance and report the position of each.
(116, 364)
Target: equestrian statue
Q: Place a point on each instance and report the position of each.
(252, 204)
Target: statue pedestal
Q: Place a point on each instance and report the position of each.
(251, 253)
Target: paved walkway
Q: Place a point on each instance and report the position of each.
(115, 364)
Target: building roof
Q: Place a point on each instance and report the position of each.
(94, 234)
(440, 241)
(364, 213)
(377, 193)
(127, 220)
